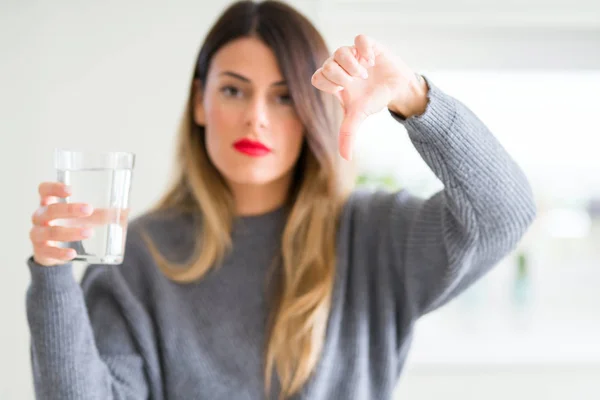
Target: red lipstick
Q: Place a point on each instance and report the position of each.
(251, 148)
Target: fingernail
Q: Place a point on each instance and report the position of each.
(365, 75)
(87, 232)
(86, 209)
(371, 62)
(68, 189)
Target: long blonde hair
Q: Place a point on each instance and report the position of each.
(301, 295)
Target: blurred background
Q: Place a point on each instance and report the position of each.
(114, 75)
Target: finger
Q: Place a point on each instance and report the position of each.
(104, 216)
(44, 201)
(43, 234)
(99, 217)
(321, 82)
(365, 48)
(345, 57)
(56, 189)
(56, 253)
(350, 124)
(336, 74)
(44, 214)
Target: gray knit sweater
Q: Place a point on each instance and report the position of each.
(127, 332)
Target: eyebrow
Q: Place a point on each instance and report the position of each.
(243, 78)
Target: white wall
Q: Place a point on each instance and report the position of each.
(109, 75)
(114, 75)
(474, 34)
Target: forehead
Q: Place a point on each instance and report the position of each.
(249, 57)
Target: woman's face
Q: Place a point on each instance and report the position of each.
(253, 135)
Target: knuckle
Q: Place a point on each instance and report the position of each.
(71, 208)
(32, 235)
(329, 67)
(339, 51)
(53, 232)
(37, 215)
(343, 56)
(49, 251)
(348, 61)
(48, 212)
(314, 78)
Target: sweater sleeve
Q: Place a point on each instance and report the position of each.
(443, 244)
(90, 341)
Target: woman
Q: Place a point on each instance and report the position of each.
(259, 274)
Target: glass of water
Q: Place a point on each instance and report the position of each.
(103, 180)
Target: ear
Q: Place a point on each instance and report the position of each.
(198, 104)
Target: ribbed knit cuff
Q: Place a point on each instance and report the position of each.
(54, 278)
(440, 108)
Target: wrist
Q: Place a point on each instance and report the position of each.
(412, 102)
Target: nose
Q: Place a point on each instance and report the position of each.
(257, 114)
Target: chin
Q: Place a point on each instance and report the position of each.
(250, 176)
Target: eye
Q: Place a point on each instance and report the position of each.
(285, 99)
(231, 91)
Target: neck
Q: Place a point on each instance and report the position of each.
(256, 199)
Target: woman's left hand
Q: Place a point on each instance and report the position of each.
(365, 78)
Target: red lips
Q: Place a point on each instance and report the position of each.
(251, 148)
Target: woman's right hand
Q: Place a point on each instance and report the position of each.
(44, 234)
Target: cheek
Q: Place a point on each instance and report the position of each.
(219, 120)
(220, 129)
(291, 140)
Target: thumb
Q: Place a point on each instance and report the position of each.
(352, 121)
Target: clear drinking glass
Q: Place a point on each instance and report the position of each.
(103, 180)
